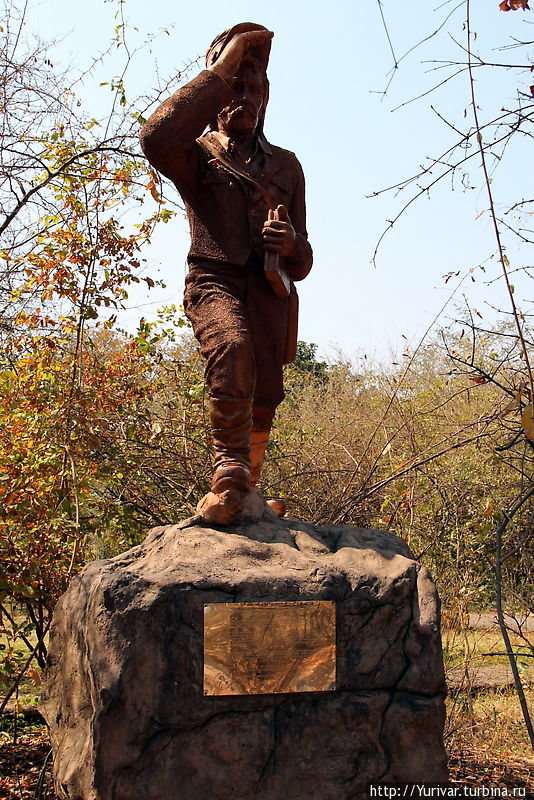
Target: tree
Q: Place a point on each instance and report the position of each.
(67, 256)
(306, 362)
(481, 146)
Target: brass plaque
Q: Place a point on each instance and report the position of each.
(269, 648)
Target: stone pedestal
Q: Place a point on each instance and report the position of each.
(124, 699)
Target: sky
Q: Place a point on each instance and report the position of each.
(330, 65)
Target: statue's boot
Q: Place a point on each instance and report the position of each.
(258, 445)
(231, 423)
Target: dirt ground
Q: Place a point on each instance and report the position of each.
(21, 764)
(485, 676)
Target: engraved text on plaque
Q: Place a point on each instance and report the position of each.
(269, 648)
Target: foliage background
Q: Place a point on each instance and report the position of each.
(104, 431)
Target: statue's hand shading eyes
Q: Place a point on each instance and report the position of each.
(232, 54)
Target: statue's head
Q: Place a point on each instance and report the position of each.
(246, 111)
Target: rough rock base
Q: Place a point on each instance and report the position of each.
(124, 698)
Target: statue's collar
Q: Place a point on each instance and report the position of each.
(261, 144)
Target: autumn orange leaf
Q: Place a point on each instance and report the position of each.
(527, 421)
(152, 187)
(514, 5)
(478, 379)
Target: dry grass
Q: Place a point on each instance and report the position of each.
(489, 723)
(472, 647)
(485, 726)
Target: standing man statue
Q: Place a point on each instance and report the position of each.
(246, 208)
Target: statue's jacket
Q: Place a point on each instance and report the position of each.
(226, 215)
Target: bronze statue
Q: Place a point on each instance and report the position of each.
(246, 208)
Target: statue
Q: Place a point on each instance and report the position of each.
(246, 208)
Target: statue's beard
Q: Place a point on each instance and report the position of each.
(240, 117)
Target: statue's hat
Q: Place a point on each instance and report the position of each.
(261, 52)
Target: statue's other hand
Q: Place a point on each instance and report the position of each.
(279, 234)
(229, 61)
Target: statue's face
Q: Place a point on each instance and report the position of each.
(242, 114)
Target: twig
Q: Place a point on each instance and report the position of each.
(510, 653)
